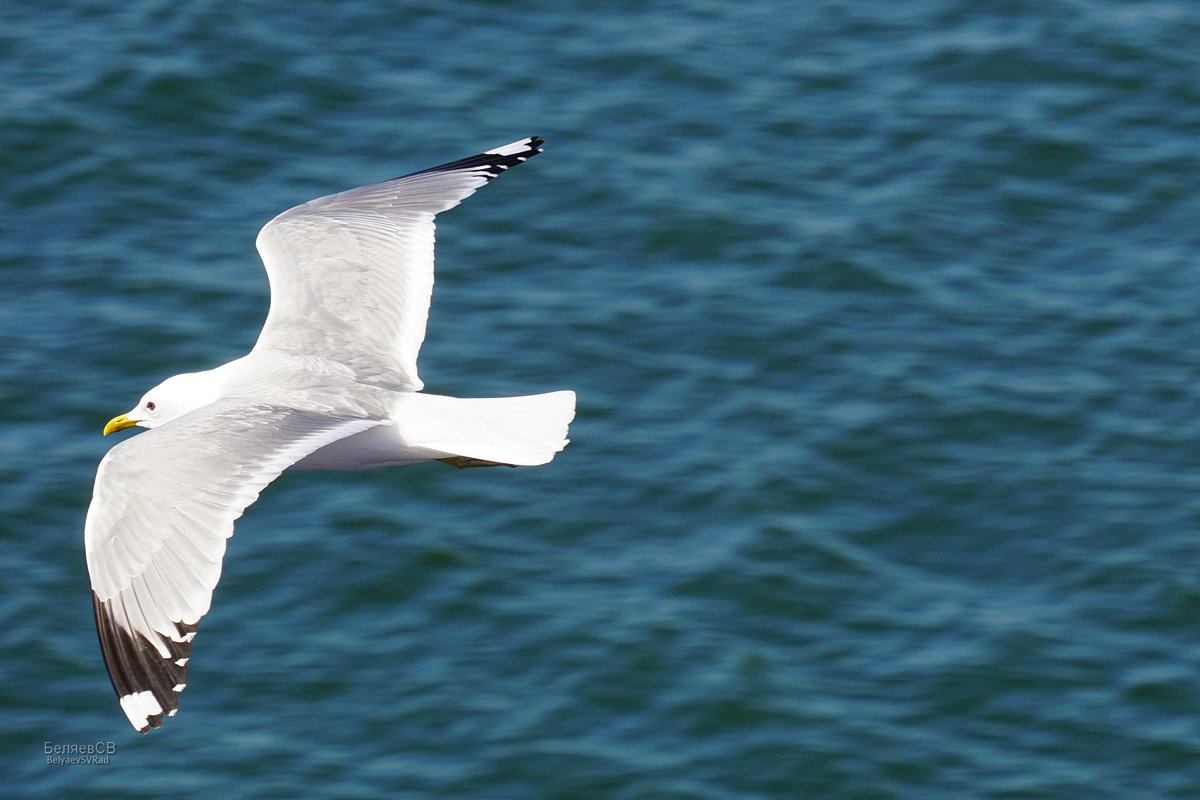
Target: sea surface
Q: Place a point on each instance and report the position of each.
(884, 319)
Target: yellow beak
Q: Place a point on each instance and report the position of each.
(119, 424)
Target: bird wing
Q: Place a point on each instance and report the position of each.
(351, 274)
(163, 506)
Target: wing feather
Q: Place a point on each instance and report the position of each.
(376, 242)
(163, 507)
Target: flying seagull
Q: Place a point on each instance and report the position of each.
(330, 384)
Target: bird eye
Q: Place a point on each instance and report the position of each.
(150, 406)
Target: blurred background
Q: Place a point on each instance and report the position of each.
(883, 320)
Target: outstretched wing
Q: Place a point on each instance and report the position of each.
(351, 274)
(163, 506)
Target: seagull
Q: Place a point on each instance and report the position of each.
(331, 383)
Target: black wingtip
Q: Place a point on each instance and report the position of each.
(146, 684)
(493, 162)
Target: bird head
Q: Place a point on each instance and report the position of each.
(170, 400)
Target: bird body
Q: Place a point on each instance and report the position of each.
(331, 383)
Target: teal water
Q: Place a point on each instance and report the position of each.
(883, 319)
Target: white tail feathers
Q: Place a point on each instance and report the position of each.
(521, 431)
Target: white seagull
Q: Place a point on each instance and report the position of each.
(331, 384)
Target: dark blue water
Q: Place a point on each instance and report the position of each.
(883, 319)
